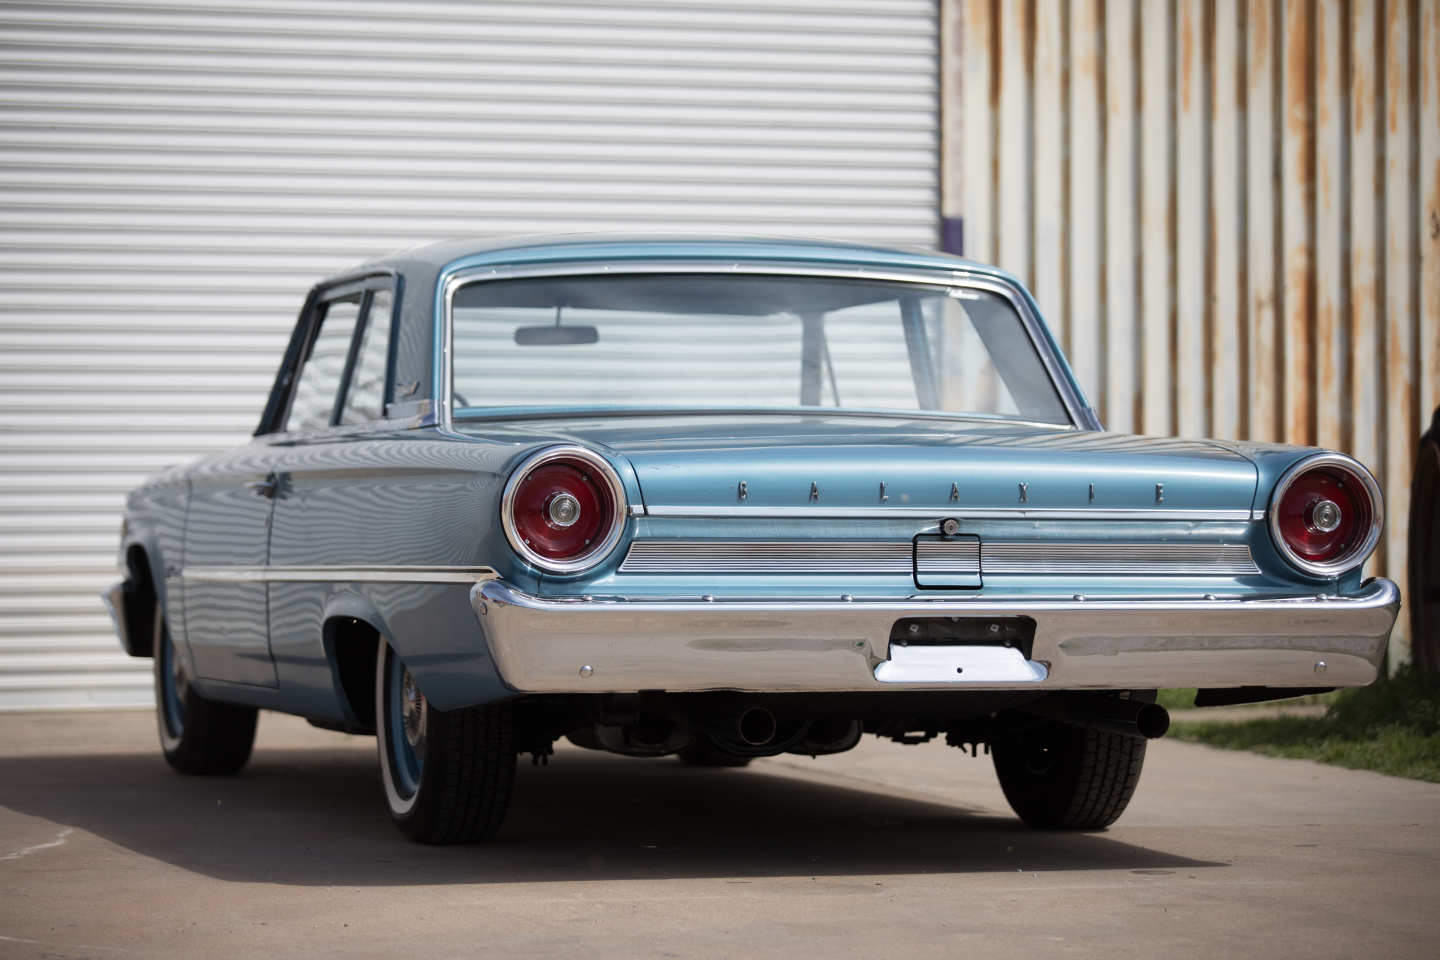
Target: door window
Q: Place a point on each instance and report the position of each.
(365, 400)
(318, 387)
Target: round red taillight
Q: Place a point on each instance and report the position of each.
(1325, 514)
(563, 509)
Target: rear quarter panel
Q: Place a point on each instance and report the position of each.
(411, 498)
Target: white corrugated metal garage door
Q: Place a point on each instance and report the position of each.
(173, 176)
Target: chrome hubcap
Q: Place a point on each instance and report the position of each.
(412, 712)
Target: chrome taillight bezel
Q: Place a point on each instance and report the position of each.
(602, 546)
(1364, 545)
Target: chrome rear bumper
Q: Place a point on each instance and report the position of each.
(592, 646)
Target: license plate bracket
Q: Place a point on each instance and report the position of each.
(1005, 632)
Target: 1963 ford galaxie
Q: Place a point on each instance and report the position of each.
(723, 499)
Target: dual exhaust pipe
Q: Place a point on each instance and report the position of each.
(1130, 718)
(758, 729)
(759, 732)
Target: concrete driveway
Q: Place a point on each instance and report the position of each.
(888, 851)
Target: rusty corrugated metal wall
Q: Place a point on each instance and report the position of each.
(1228, 209)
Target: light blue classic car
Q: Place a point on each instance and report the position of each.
(723, 499)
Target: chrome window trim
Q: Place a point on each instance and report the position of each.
(603, 547)
(502, 414)
(363, 286)
(1356, 555)
(340, 430)
(444, 385)
(342, 573)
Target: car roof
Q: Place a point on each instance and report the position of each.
(433, 258)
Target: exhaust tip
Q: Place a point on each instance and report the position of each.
(1153, 721)
(757, 726)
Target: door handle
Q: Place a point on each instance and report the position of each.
(264, 488)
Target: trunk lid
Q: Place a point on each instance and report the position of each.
(839, 462)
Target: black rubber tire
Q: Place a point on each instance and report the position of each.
(1062, 777)
(468, 772)
(1424, 598)
(214, 737)
(702, 753)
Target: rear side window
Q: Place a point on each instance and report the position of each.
(318, 387)
(365, 400)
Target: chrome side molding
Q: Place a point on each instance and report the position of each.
(417, 573)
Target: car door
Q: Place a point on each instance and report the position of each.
(232, 497)
(326, 509)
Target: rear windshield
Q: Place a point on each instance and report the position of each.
(700, 341)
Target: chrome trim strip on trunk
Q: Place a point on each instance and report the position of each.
(1106, 559)
(418, 573)
(745, 556)
(966, 557)
(938, 513)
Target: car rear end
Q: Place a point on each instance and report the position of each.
(901, 556)
(764, 499)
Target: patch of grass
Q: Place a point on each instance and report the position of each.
(1391, 726)
(1179, 699)
(1183, 698)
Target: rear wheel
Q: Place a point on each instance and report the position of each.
(196, 735)
(1062, 777)
(447, 774)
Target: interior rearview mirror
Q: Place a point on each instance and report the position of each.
(553, 335)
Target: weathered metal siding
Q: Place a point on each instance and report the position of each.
(174, 175)
(1229, 210)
